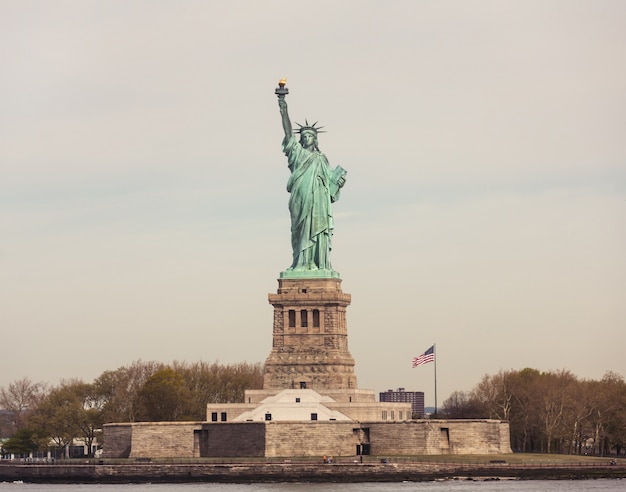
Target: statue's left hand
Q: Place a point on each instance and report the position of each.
(341, 181)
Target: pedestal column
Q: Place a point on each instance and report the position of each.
(310, 337)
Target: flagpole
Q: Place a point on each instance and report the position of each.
(435, 354)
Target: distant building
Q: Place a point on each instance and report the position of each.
(415, 398)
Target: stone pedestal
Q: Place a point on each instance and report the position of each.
(310, 337)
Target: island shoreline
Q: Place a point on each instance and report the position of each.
(297, 472)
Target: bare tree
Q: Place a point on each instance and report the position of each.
(495, 394)
(217, 383)
(118, 390)
(20, 398)
(576, 427)
(461, 405)
(552, 403)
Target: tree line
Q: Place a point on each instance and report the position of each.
(549, 412)
(35, 415)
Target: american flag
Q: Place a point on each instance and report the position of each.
(428, 356)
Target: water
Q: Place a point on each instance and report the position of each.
(443, 486)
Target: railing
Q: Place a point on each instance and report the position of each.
(440, 461)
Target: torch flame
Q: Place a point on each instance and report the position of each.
(282, 82)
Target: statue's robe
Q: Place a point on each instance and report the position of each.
(312, 189)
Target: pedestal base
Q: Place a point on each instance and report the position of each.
(310, 338)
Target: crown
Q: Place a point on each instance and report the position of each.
(308, 127)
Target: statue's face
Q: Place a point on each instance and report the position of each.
(307, 139)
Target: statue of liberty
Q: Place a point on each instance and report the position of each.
(313, 186)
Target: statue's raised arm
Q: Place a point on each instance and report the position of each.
(313, 185)
(281, 92)
(282, 104)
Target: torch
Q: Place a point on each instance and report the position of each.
(281, 91)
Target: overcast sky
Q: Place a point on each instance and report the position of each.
(143, 208)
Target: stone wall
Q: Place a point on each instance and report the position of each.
(440, 437)
(401, 438)
(117, 440)
(165, 439)
(310, 439)
(478, 436)
(233, 440)
(151, 440)
(345, 472)
(285, 439)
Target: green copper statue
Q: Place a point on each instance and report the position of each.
(313, 185)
